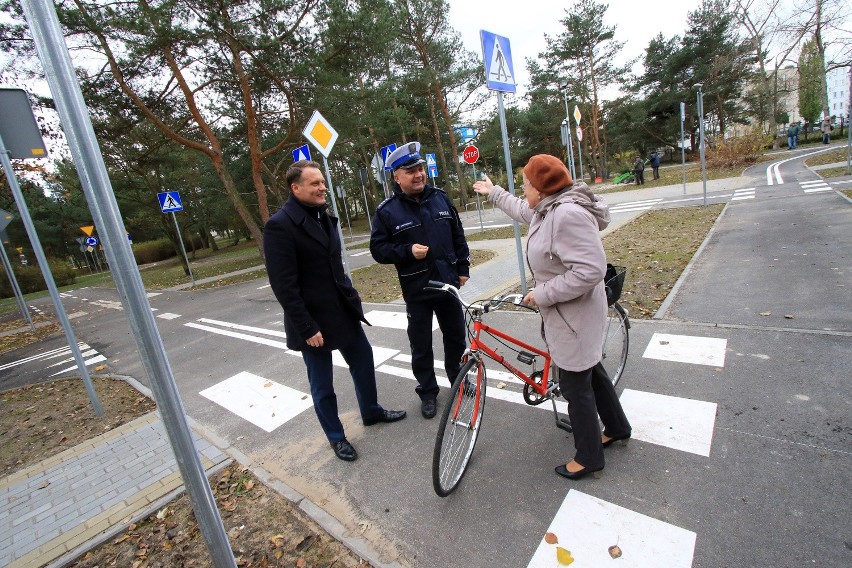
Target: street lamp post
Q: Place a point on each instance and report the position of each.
(701, 142)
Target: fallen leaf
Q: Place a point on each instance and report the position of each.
(501, 385)
(664, 342)
(161, 514)
(248, 485)
(267, 384)
(43, 484)
(234, 533)
(788, 316)
(615, 551)
(364, 525)
(563, 556)
(766, 313)
(100, 367)
(301, 562)
(277, 540)
(121, 539)
(550, 538)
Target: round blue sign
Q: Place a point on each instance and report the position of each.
(91, 241)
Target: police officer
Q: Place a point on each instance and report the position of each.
(419, 231)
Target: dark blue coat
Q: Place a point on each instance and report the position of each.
(306, 273)
(401, 221)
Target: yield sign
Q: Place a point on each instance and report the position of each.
(497, 55)
(320, 133)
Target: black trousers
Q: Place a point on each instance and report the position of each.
(640, 177)
(451, 321)
(590, 393)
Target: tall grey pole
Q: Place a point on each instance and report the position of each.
(701, 144)
(849, 127)
(74, 117)
(343, 252)
(48, 277)
(183, 249)
(366, 205)
(510, 176)
(342, 197)
(682, 144)
(478, 204)
(22, 305)
(571, 167)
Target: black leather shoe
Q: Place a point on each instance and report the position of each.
(428, 408)
(344, 450)
(386, 416)
(563, 471)
(624, 438)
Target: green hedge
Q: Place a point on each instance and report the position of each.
(153, 251)
(30, 279)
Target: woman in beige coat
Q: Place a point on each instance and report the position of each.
(568, 263)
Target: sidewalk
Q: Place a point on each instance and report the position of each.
(55, 510)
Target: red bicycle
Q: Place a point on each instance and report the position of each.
(461, 419)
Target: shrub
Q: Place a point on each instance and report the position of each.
(30, 279)
(153, 251)
(738, 152)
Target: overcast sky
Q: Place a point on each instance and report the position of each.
(526, 23)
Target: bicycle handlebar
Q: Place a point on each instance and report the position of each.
(489, 305)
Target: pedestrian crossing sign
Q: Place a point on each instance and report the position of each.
(497, 55)
(170, 201)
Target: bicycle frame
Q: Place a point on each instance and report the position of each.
(476, 345)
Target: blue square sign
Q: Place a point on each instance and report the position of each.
(497, 55)
(170, 201)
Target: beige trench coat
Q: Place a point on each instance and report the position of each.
(567, 260)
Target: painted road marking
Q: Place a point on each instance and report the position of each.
(392, 320)
(264, 403)
(168, 316)
(587, 526)
(679, 423)
(687, 349)
(111, 304)
(52, 354)
(244, 327)
(362, 253)
(631, 206)
(747, 193)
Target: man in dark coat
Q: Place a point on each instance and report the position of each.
(322, 310)
(419, 231)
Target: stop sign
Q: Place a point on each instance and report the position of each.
(471, 154)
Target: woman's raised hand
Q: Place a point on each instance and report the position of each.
(483, 186)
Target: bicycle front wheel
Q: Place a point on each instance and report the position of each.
(461, 420)
(616, 342)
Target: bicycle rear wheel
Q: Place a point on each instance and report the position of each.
(461, 420)
(616, 342)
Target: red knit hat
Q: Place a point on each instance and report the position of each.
(547, 174)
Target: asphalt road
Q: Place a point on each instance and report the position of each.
(742, 449)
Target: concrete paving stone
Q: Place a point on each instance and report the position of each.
(25, 517)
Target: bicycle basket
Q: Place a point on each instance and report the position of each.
(614, 282)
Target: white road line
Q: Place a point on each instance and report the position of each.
(362, 253)
(88, 353)
(264, 286)
(588, 527)
(613, 211)
(244, 327)
(87, 362)
(59, 352)
(252, 338)
(687, 349)
(168, 316)
(818, 189)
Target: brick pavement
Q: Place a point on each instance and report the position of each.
(54, 510)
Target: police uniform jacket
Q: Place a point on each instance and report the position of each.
(401, 221)
(305, 269)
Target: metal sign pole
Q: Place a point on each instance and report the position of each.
(366, 205)
(183, 249)
(478, 204)
(74, 117)
(344, 254)
(22, 305)
(701, 144)
(48, 278)
(511, 179)
(682, 144)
